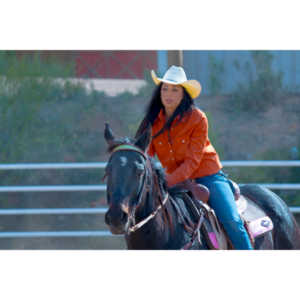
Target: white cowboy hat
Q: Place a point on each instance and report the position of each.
(176, 75)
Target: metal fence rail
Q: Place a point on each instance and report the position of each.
(51, 234)
(44, 166)
(82, 188)
(53, 188)
(52, 211)
(262, 163)
(73, 211)
(101, 165)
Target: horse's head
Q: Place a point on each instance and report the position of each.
(126, 173)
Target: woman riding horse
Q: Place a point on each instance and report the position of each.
(180, 141)
(150, 215)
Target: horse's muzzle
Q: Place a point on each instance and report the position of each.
(116, 220)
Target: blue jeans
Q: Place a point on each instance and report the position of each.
(222, 201)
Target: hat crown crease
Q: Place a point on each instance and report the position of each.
(175, 74)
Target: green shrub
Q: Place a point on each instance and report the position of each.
(16, 66)
(44, 120)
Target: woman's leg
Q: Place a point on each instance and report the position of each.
(223, 203)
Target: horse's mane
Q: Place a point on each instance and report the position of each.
(160, 172)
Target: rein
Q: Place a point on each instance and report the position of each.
(151, 216)
(145, 188)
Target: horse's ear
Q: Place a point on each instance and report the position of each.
(108, 135)
(143, 141)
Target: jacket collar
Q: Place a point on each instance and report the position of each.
(161, 116)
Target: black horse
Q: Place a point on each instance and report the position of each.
(141, 208)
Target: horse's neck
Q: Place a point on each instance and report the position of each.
(164, 231)
(149, 206)
(163, 226)
(161, 232)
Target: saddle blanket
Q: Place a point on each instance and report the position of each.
(256, 221)
(260, 226)
(256, 228)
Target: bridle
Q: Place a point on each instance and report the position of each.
(145, 188)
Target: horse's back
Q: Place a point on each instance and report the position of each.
(286, 233)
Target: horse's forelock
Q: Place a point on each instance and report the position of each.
(119, 142)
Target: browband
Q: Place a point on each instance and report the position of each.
(129, 147)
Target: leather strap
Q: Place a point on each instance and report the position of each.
(130, 148)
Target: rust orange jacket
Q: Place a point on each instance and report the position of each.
(187, 153)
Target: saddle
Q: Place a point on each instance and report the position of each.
(256, 222)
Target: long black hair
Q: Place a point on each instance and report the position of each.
(155, 105)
